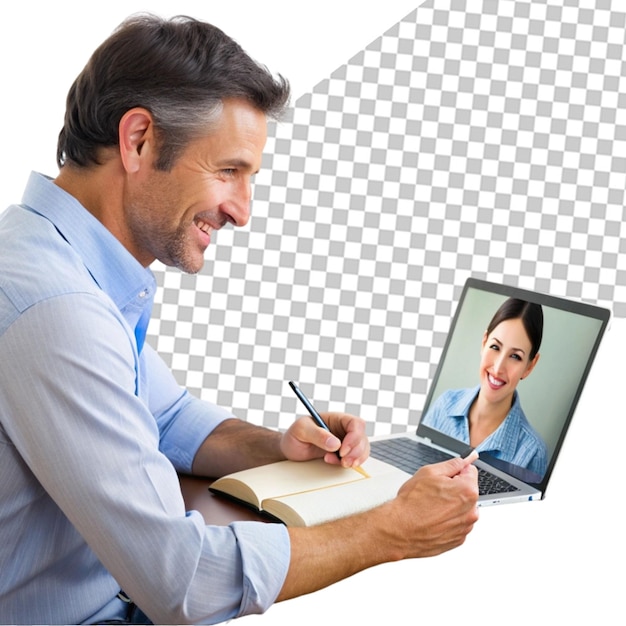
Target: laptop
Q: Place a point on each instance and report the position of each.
(515, 464)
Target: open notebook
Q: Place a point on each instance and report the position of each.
(547, 397)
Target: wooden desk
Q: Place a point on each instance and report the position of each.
(215, 510)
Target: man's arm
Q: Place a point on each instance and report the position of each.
(432, 513)
(235, 445)
(70, 408)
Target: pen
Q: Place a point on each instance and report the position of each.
(317, 418)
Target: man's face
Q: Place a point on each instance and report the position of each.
(170, 216)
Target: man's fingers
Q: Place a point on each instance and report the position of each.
(456, 466)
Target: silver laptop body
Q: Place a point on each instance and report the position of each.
(572, 332)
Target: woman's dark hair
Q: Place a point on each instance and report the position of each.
(532, 318)
(181, 70)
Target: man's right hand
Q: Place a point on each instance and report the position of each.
(432, 512)
(436, 509)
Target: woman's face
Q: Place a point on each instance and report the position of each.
(505, 360)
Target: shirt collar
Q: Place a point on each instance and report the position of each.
(112, 267)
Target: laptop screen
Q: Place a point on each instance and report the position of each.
(492, 392)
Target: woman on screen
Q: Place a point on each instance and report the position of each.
(489, 417)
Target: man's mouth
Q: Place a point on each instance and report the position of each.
(205, 227)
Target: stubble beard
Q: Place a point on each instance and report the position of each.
(177, 252)
(172, 247)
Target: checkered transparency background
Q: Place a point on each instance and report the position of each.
(471, 138)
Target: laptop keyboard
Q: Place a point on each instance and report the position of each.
(409, 455)
(489, 483)
(406, 454)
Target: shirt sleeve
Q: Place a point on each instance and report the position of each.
(71, 409)
(184, 421)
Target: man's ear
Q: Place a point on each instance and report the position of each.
(136, 139)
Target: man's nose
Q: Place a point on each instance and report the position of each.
(237, 208)
(236, 213)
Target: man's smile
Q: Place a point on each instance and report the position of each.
(205, 227)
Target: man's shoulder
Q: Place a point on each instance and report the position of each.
(38, 264)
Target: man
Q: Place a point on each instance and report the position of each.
(164, 128)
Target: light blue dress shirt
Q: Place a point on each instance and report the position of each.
(514, 441)
(92, 433)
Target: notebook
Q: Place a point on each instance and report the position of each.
(517, 460)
